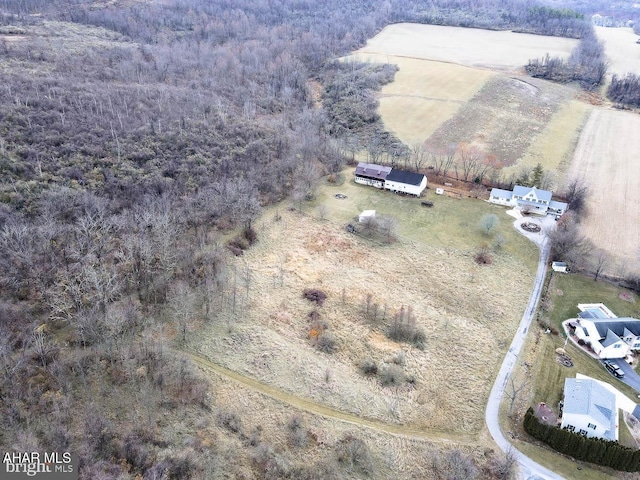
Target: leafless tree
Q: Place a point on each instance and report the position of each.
(453, 465)
(514, 390)
(419, 156)
(388, 228)
(489, 222)
(576, 192)
(322, 211)
(600, 260)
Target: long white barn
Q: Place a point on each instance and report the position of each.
(392, 179)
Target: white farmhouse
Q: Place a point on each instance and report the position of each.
(401, 181)
(589, 409)
(608, 335)
(530, 199)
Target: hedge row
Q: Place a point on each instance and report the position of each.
(595, 450)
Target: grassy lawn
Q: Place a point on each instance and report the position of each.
(568, 290)
(451, 223)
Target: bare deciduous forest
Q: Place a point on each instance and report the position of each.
(133, 137)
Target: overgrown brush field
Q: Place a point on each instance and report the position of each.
(467, 313)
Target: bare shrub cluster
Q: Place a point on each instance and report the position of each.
(315, 295)
(404, 328)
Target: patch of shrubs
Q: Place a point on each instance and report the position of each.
(392, 376)
(369, 367)
(326, 342)
(243, 241)
(403, 328)
(230, 421)
(354, 454)
(314, 295)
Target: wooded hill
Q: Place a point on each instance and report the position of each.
(132, 137)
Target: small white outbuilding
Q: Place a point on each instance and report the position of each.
(366, 215)
(560, 267)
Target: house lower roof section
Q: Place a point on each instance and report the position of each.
(403, 176)
(617, 326)
(497, 192)
(372, 170)
(557, 205)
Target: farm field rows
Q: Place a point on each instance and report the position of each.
(606, 158)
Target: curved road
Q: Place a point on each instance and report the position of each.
(529, 469)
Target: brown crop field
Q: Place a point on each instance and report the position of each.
(606, 157)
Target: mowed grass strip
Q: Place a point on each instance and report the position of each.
(424, 94)
(553, 148)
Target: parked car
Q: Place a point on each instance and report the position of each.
(613, 368)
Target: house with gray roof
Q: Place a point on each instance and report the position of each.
(530, 199)
(589, 409)
(608, 335)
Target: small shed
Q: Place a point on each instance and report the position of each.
(560, 267)
(366, 215)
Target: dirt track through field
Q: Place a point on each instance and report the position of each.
(328, 412)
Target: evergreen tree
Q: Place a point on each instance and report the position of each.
(536, 176)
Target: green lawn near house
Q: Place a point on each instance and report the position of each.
(566, 291)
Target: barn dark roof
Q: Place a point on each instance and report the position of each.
(371, 170)
(402, 176)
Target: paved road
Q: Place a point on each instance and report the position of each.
(529, 469)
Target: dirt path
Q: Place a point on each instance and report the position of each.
(328, 412)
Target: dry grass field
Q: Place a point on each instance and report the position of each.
(468, 313)
(424, 94)
(606, 157)
(621, 49)
(504, 51)
(458, 85)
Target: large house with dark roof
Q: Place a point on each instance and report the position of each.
(608, 335)
(530, 199)
(589, 409)
(392, 179)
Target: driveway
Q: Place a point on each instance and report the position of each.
(529, 469)
(631, 378)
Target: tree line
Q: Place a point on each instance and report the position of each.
(586, 64)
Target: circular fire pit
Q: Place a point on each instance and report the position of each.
(530, 227)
